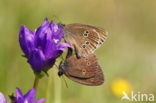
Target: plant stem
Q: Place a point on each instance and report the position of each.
(49, 87)
(57, 89)
(36, 81)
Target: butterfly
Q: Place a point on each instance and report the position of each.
(83, 67)
(84, 38)
(84, 70)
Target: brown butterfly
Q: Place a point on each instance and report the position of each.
(84, 70)
(85, 38)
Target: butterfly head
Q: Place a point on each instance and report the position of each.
(61, 68)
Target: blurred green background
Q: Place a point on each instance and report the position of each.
(128, 54)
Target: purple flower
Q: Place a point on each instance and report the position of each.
(42, 46)
(29, 97)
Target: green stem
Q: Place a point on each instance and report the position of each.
(49, 88)
(57, 89)
(54, 86)
(36, 82)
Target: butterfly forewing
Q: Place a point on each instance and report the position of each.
(85, 38)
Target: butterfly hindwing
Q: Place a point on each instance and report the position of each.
(84, 70)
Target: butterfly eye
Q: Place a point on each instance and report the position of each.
(85, 34)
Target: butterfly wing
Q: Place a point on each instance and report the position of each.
(98, 79)
(84, 70)
(83, 67)
(85, 38)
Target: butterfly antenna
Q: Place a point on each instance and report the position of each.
(65, 81)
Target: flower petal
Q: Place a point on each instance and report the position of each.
(57, 32)
(19, 93)
(50, 49)
(19, 96)
(30, 96)
(41, 100)
(37, 60)
(62, 46)
(41, 32)
(2, 98)
(26, 39)
(45, 22)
